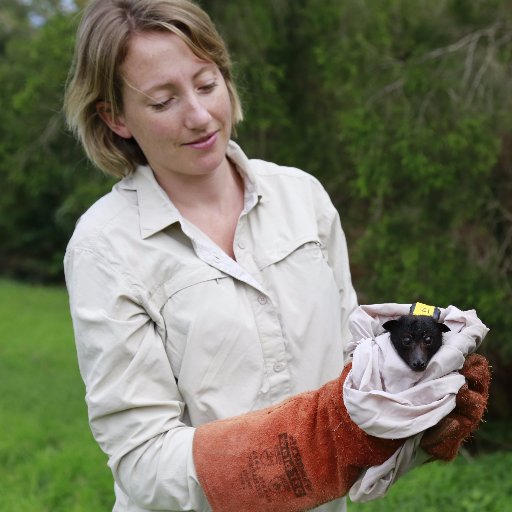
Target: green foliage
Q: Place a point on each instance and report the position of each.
(423, 149)
(41, 167)
(402, 109)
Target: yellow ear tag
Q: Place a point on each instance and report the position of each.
(425, 310)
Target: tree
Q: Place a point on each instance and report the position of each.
(41, 166)
(402, 109)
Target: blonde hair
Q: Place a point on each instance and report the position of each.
(101, 47)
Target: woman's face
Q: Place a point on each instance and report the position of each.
(175, 105)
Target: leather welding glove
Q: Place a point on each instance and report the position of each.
(289, 457)
(443, 440)
(305, 451)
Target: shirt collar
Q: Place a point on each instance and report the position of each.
(252, 190)
(157, 211)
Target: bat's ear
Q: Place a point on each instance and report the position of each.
(443, 327)
(390, 325)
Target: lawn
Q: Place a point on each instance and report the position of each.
(49, 461)
(48, 458)
(482, 484)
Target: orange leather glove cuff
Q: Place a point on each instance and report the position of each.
(444, 439)
(290, 457)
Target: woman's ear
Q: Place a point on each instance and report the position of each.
(116, 124)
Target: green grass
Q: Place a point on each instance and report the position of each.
(48, 458)
(482, 484)
(49, 461)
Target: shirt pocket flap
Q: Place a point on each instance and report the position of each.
(185, 279)
(305, 246)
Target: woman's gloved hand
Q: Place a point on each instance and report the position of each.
(290, 457)
(444, 439)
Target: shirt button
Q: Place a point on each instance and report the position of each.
(262, 300)
(278, 367)
(241, 244)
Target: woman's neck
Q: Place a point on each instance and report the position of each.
(217, 190)
(213, 203)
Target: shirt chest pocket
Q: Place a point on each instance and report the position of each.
(187, 299)
(205, 317)
(303, 283)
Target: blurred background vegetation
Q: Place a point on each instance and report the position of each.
(402, 108)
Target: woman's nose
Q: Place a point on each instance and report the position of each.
(197, 115)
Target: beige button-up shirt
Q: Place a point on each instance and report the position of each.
(172, 333)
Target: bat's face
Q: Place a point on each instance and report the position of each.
(416, 338)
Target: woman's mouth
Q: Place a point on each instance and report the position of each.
(204, 142)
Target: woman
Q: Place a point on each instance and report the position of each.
(205, 285)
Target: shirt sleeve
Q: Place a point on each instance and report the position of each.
(134, 405)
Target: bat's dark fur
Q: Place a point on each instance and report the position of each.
(416, 338)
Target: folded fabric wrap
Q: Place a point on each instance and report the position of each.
(387, 399)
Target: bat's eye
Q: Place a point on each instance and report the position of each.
(406, 341)
(427, 340)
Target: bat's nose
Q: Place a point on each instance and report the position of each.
(419, 365)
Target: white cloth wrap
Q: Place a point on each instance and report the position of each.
(387, 399)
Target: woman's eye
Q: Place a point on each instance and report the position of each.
(209, 87)
(161, 105)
